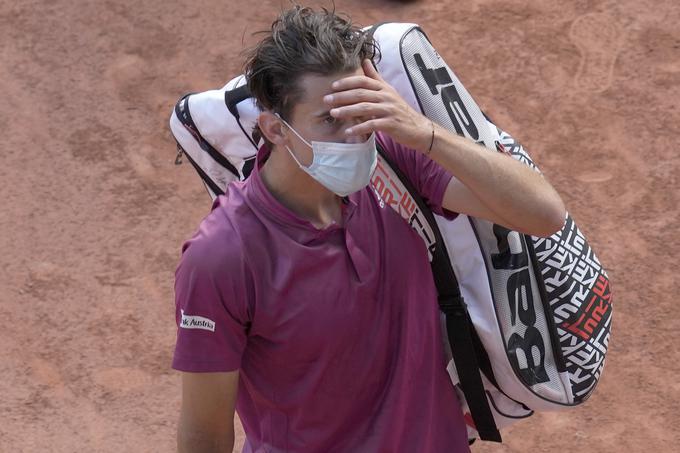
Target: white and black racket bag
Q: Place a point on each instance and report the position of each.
(528, 319)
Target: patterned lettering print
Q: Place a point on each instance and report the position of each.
(578, 292)
(510, 146)
(579, 295)
(392, 192)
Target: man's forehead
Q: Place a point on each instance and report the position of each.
(316, 86)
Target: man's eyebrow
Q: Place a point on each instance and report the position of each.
(322, 113)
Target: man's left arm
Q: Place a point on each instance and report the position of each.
(496, 187)
(487, 185)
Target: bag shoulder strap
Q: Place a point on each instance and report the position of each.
(458, 323)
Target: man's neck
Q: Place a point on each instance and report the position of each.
(299, 192)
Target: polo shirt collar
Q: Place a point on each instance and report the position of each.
(278, 212)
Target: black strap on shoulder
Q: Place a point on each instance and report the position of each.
(232, 98)
(184, 115)
(458, 324)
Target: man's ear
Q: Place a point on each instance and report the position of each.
(272, 128)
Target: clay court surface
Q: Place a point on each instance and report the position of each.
(94, 211)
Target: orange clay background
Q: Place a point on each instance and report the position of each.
(93, 211)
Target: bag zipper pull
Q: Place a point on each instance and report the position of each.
(178, 158)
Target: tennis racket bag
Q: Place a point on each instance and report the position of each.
(528, 319)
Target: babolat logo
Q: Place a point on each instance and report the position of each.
(527, 352)
(196, 322)
(460, 117)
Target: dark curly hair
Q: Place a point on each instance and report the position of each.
(303, 41)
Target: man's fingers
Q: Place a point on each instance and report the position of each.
(358, 81)
(352, 97)
(370, 70)
(360, 110)
(367, 127)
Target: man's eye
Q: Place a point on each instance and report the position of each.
(329, 120)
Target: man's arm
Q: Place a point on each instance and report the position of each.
(488, 185)
(206, 422)
(496, 187)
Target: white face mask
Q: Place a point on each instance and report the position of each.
(343, 168)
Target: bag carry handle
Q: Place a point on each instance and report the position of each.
(184, 115)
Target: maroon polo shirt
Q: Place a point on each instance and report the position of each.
(335, 331)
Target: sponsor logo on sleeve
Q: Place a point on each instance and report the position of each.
(196, 322)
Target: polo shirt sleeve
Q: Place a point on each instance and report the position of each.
(211, 307)
(428, 177)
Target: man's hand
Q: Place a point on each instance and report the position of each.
(369, 96)
(487, 185)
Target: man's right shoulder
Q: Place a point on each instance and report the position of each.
(218, 241)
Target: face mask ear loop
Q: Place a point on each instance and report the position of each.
(294, 131)
(294, 158)
(298, 135)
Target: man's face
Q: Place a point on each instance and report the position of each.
(310, 117)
